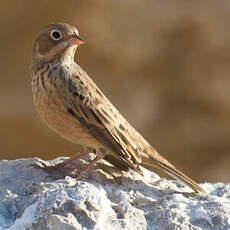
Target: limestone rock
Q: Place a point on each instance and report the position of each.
(32, 199)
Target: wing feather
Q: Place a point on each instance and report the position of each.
(97, 115)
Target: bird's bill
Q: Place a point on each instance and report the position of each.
(75, 40)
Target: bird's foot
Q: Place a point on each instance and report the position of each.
(80, 172)
(61, 170)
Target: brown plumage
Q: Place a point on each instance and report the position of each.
(72, 105)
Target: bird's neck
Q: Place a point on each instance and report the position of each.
(64, 57)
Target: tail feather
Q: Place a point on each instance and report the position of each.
(163, 165)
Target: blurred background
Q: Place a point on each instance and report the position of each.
(164, 64)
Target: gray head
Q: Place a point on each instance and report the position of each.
(57, 42)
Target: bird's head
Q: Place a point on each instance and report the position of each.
(57, 42)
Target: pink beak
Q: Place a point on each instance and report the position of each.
(75, 40)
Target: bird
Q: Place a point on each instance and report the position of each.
(72, 105)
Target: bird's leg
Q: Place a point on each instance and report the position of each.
(84, 169)
(74, 172)
(71, 159)
(60, 168)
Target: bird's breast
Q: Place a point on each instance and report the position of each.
(51, 108)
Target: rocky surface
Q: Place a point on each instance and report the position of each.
(32, 199)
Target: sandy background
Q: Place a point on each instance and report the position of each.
(165, 65)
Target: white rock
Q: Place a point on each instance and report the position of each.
(31, 200)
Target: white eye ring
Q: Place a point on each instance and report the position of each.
(55, 35)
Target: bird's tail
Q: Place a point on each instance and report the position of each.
(155, 160)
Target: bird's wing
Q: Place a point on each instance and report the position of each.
(99, 117)
(88, 105)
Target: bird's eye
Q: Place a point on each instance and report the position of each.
(55, 35)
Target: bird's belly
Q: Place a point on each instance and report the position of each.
(57, 118)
